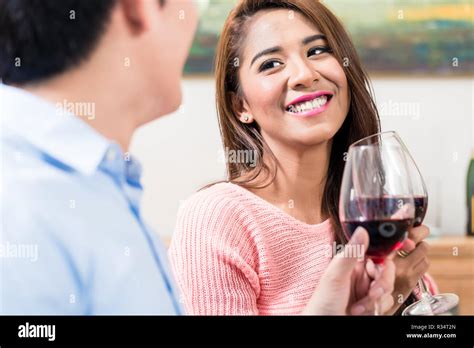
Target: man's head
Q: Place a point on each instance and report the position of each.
(141, 43)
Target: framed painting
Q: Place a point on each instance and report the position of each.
(392, 37)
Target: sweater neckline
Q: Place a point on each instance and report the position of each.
(285, 215)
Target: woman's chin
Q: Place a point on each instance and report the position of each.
(314, 135)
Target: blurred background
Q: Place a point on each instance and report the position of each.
(420, 57)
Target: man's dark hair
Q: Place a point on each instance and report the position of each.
(42, 38)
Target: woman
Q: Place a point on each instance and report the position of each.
(291, 92)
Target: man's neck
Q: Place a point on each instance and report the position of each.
(93, 101)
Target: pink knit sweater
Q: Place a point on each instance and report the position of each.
(234, 253)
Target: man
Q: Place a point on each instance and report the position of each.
(79, 78)
(89, 73)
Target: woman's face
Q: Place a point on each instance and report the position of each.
(293, 87)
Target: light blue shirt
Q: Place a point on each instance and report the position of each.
(72, 238)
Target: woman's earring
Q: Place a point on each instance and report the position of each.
(246, 118)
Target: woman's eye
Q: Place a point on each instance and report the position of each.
(318, 50)
(270, 64)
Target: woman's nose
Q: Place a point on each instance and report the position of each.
(303, 75)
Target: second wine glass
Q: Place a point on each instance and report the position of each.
(428, 304)
(376, 194)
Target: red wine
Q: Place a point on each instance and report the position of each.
(421, 205)
(385, 235)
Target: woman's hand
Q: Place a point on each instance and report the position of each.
(412, 267)
(347, 286)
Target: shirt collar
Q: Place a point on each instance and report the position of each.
(56, 132)
(123, 167)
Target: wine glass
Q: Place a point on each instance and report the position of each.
(376, 193)
(428, 304)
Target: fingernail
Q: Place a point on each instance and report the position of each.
(357, 237)
(377, 292)
(359, 309)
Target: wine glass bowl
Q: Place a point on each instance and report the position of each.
(376, 194)
(383, 191)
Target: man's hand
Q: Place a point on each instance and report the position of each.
(347, 286)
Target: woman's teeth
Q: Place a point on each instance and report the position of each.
(308, 105)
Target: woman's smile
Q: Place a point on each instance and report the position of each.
(309, 104)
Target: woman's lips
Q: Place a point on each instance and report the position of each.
(310, 96)
(315, 110)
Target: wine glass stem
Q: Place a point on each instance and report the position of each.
(425, 293)
(426, 299)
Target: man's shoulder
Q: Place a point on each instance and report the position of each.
(24, 163)
(40, 193)
(28, 175)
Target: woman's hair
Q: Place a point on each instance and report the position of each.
(362, 119)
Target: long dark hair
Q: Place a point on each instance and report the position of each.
(362, 118)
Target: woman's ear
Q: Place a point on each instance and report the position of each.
(241, 108)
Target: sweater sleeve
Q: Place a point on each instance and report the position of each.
(213, 258)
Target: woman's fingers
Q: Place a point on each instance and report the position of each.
(414, 263)
(419, 253)
(408, 245)
(415, 257)
(412, 267)
(417, 234)
(422, 266)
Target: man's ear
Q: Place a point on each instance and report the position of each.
(242, 109)
(138, 14)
